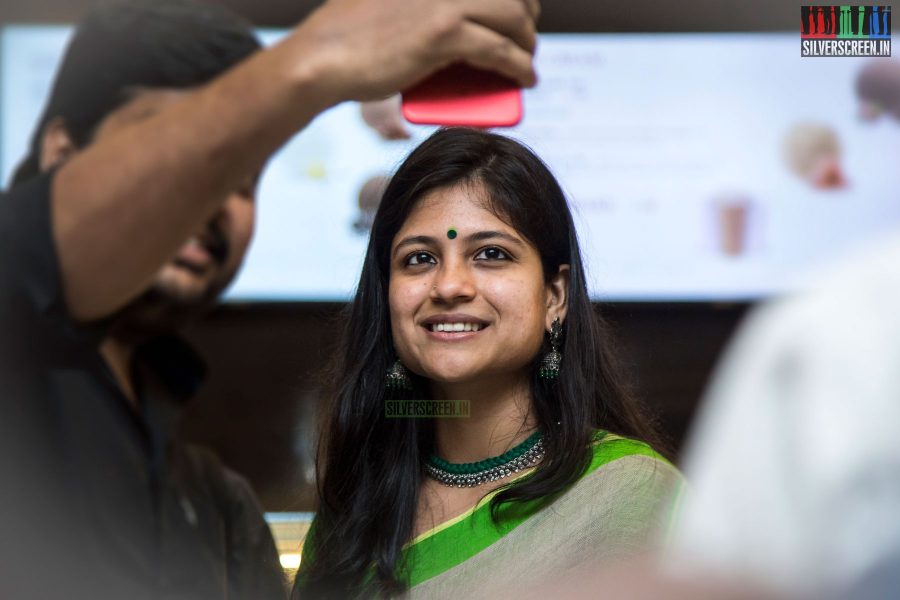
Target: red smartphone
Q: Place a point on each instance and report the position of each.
(464, 95)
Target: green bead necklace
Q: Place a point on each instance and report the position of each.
(524, 455)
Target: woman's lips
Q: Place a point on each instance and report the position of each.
(452, 336)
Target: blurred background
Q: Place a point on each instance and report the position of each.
(709, 166)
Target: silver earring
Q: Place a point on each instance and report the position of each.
(551, 361)
(397, 377)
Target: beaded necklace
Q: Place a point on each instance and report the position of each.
(526, 454)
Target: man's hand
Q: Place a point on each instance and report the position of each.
(369, 49)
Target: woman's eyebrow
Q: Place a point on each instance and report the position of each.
(415, 240)
(480, 236)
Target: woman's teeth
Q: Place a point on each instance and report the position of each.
(455, 327)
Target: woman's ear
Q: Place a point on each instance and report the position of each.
(557, 296)
(56, 144)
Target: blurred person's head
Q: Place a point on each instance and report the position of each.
(124, 63)
(509, 268)
(878, 88)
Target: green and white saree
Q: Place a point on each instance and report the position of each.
(620, 507)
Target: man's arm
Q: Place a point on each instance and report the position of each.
(124, 205)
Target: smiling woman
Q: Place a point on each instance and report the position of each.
(469, 312)
(552, 466)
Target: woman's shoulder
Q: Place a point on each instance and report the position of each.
(627, 498)
(624, 463)
(630, 471)
(608, 447)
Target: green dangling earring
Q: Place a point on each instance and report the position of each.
(397, 378)
(549, 369)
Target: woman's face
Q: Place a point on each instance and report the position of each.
(487, 281)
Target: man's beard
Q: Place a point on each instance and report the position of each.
(166, 307)
(162, 309)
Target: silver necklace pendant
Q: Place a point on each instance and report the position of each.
(529, 459)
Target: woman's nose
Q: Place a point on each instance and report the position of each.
(453, 281)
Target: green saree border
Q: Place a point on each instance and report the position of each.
(462, 537)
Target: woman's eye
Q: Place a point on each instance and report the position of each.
(492, 253)
(420, 258)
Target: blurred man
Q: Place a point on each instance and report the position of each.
(157, 515)
(128, 218)
(795, 458)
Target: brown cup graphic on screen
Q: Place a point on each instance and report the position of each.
(732, 215)
(369, 198)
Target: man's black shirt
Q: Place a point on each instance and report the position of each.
(98, 499)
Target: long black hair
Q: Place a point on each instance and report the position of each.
(369, 467)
